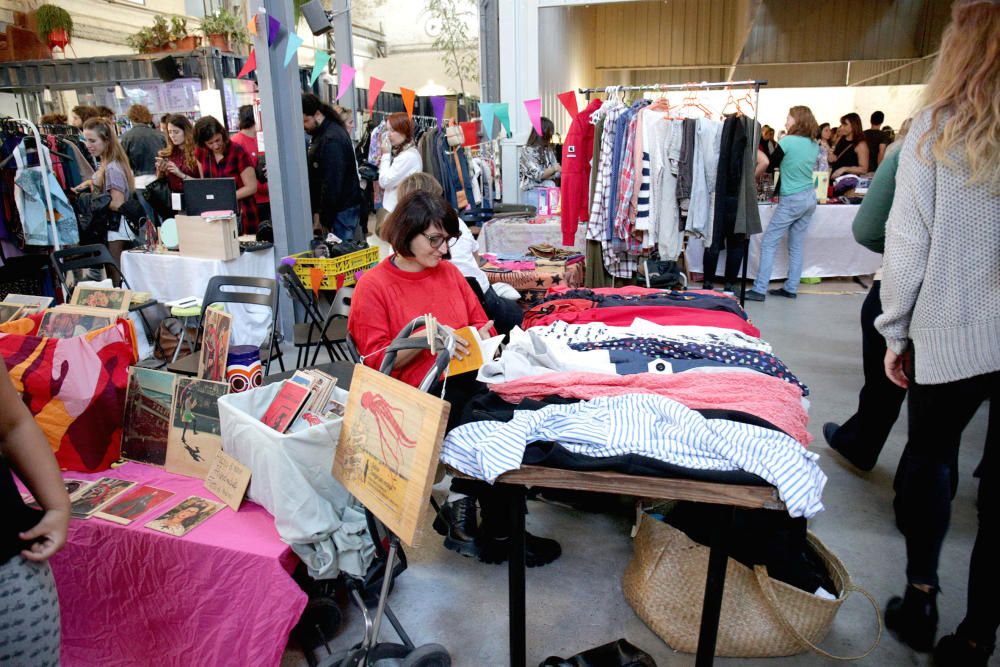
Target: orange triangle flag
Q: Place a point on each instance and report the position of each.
(316, 276)
(252, 25)
(408, 97)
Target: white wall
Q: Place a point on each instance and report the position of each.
(828, 104)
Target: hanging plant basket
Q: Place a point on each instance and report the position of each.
(55, 25)
(58, 37)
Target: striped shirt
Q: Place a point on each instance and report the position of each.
(648, 425)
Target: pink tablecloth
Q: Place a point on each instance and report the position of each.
(221, 595)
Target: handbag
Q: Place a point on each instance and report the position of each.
(158, 196)
(133, 213)
(665, 584)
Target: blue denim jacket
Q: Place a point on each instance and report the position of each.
(29, 195)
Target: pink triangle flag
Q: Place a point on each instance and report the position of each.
(568, 100)
(249, 66)
(375, 86)
(534, 108)
(346, 77)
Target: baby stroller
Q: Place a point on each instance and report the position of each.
(374, 589)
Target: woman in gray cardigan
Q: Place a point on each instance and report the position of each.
(941, 322)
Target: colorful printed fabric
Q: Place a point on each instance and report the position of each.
(734, 356)
(74, 388)
(534, 285)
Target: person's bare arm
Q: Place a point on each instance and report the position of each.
(117, 199)
(881, 152)
(24, 445)
(249, 188)
(762, 164)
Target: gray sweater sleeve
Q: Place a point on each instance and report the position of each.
(907, 242)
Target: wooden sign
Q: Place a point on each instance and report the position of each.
(389, 446)
(228, 479)
(195, 435)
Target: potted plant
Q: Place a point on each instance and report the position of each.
(55, 25)
(223, 29)
(180, 40)
(142, 41)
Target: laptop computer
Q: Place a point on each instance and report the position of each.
(209, 194)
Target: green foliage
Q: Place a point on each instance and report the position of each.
(226, 23)
(449, 25)
(159, 35)
(50, 17)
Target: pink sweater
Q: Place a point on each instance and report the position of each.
(757, 394)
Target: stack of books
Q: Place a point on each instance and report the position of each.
(306, 394)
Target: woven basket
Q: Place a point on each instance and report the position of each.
(665, 584)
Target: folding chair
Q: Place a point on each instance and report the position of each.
(214, 293)
(329, 332)
(27, 274)
(98, 256)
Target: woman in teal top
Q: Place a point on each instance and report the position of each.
(795, 207)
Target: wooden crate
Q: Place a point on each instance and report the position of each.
(208, 237)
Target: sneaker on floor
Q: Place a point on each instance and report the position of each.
(781, 291)
(729, 289)
(956, 651)
(753, 295)
(457, 522)
(539, 551)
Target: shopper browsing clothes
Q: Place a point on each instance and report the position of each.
(941, 322)
(537, 163)
(334, 187)
(221, 158)
(861, 438)
(29, 606)
(399, 158)
(414, 281)
(795, 206)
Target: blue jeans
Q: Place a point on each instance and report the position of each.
(792, 215)
(345, 225)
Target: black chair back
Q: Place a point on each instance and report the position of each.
(94, 256)
(215, 292)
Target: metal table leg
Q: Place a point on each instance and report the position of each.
(516, 578)
(715, 584)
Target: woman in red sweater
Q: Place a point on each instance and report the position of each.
(414, 281)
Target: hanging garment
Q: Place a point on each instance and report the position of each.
(648, 425)
(747, 213)
(664, 212)
(704, 172)
(29, 195)
(685, 164)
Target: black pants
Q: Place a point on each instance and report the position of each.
(926, 482)
(863, 436)
(506, 314)
(734, 257)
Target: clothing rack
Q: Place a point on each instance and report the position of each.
(44, 163)
(379, 112)
(755, 84)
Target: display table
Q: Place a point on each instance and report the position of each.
(513, 236)
(221, 595)
(169, 276)
(830, 249)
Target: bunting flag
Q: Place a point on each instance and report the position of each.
(294, 42)
(408, 98)
(470, 133)
(316, 276)
(249, 66)
(568, 100)
(346, 77)
(340, 280)
(487, 111)
(252, 25)
(357, 275)
(375, 86)
(438, 103)
(273, 30)
(503, 113)
(322, 58)
(534, 108)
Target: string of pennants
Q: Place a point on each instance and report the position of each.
(489, 112)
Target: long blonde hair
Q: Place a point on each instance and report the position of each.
(113, 151)
(963, 89)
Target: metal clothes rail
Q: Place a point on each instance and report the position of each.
(755, 84)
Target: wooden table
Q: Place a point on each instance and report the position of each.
(727, 497)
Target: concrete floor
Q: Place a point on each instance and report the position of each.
(577, 602)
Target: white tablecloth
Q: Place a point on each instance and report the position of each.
(170, 276)
(830, 248)
(513, 236)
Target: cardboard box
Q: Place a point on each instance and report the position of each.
(214, 237)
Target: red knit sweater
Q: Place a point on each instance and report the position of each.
(387, 299)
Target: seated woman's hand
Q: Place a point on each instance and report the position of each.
(484, 331)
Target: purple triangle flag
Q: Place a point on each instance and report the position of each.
(438, 103)
(273, 29)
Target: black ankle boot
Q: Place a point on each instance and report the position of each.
(538, 551)
(457, 522)
(956, 651)
(913, 618)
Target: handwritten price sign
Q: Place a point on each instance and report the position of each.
(228, 479)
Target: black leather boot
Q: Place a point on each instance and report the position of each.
(913, 618)
(538, 551)
(457, 522)
(956, 651)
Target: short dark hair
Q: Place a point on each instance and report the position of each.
(878, 118)
(106, 112)
(247, 119)
(139, 113)
(85, 112)
(415, 214)
(548, 130)
(206, 128)
(311, 104)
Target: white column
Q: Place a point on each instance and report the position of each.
(518, 81)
